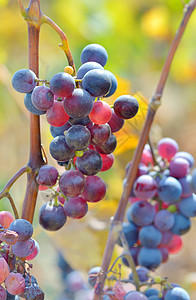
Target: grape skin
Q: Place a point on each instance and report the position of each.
(78, 137)
(59, 149)
(42, 97)
(52, 217)
(126, 107)
(94, 52)
(96, 82)
(47, 175)
(23, 81)
(23, 228)
(62, 84)
(15, 283)
(30, 107)
(87, 67)
(76, 207)
(72, 183)
(90, 163)
(95, 189)
(23, 249)
(108, 147)
(4, 270)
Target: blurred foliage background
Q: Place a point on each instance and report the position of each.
(137, 35)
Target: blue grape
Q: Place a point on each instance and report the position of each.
(164, 220)
(149, 236)
(149, 257)
(193, 183)
(29, 105)
(56, 131)
(169, 189)
(114, 84)
(23, 228)
(130, 231)
(132, 295)
(143, 274)
(186, 186)
(187, 156)
(59, 149)
(52, 217)
(96, 82)
(177, 293)
(90, 163)
(151, 292)
(134, 252)
(187, 206)
(78, 137)
(181, 225)
(141, 213)
(23, 81)
(87, 67)
(94, 52)
(62, 84)
(155, 297)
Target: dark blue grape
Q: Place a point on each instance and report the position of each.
(141, 213)
(90, 163)
(114, 84)
(151, 292)
(59, 149)
(29, 105)
(126, 107)
(55, 131)
(94, 52)
(87, 67)
(143, 274)
(23, 228)
(78, 137)
(177, 293)
(80, 121)
(181, 225)
(149, 257)
(62, 84)
(169, 189)
(52, 217)
(108, 147)
(96, 82)
(149, 236)
(130, 231)
(187, 206)
(23, 81)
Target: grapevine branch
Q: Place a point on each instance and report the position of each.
(155, 102)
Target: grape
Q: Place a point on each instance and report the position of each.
(134, 253)
(62, 84)
(33, 292)
(79, 104)
(107, 162)
(99, 133)
(149, 257)
(186, 186)
(179, 167)
(23, 81)
(181, 225)
(146, 158)
(47, 175)
(92, 275)
(4, 270)
(87, 67)
(76, 207)
(126, 107)
(166, 237)
(94, 52)
(55, 131)
(141, 213)
(175, 245)
(6, 218)
(187, 206)
(164, 220)
(42, 97)
(186, 156)
(15, 283)
(59, 149)
(135, 296)
(115, 122)
(52, 217)
(143, 274)
(23, 249)
(79, 121)
(35, 252)
(177, 293)
(29, 105)
(97, 82)
(23, 228)
(142, 169)
(169, 189)
(165, 254)
(95, 189)
(90, 163)
(114, 84)
(56, 115)
(3, 294)
(130, 231)
(108, 147)
(167, 148)
(78, 137)
(151, 292)
(155, 297)
(71, 183)
(145, 187)
(101, 112)
(149, 236)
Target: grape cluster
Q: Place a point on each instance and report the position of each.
(82, 124)
(163, 201)
(15, 245)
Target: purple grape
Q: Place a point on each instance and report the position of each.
(141, 213)
(23, 249)
(115, 122)
(87, 67)
(97, 82)
(114, 84)
(149, 257)
(166, 237)
(186, 156)
(76, 207)
(42, 97)
(108, 147)
(135, 296)
(164, 220)
(62, 84)
(99, 133)
(90, 163)
(79, 104)
(181, 225)
(169, 189)
(177, 293)
(59, 149)
(165, 254)
(55, 131)
(95, 189)
(179, 167)
(23, 81)
(47, 175)
(167, 148)
(23, 228)
(145, 187)
(94, 52)
(78, 137)
(149, 236)
(81, 121)
(143, 274)
(31, 108)
(72, 183)
(187, 206)
(186, 186)
(52, 217)
(126, 107)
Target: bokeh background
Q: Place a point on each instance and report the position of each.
(137, 35)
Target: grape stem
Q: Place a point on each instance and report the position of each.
(155, 102)
(7, 195)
